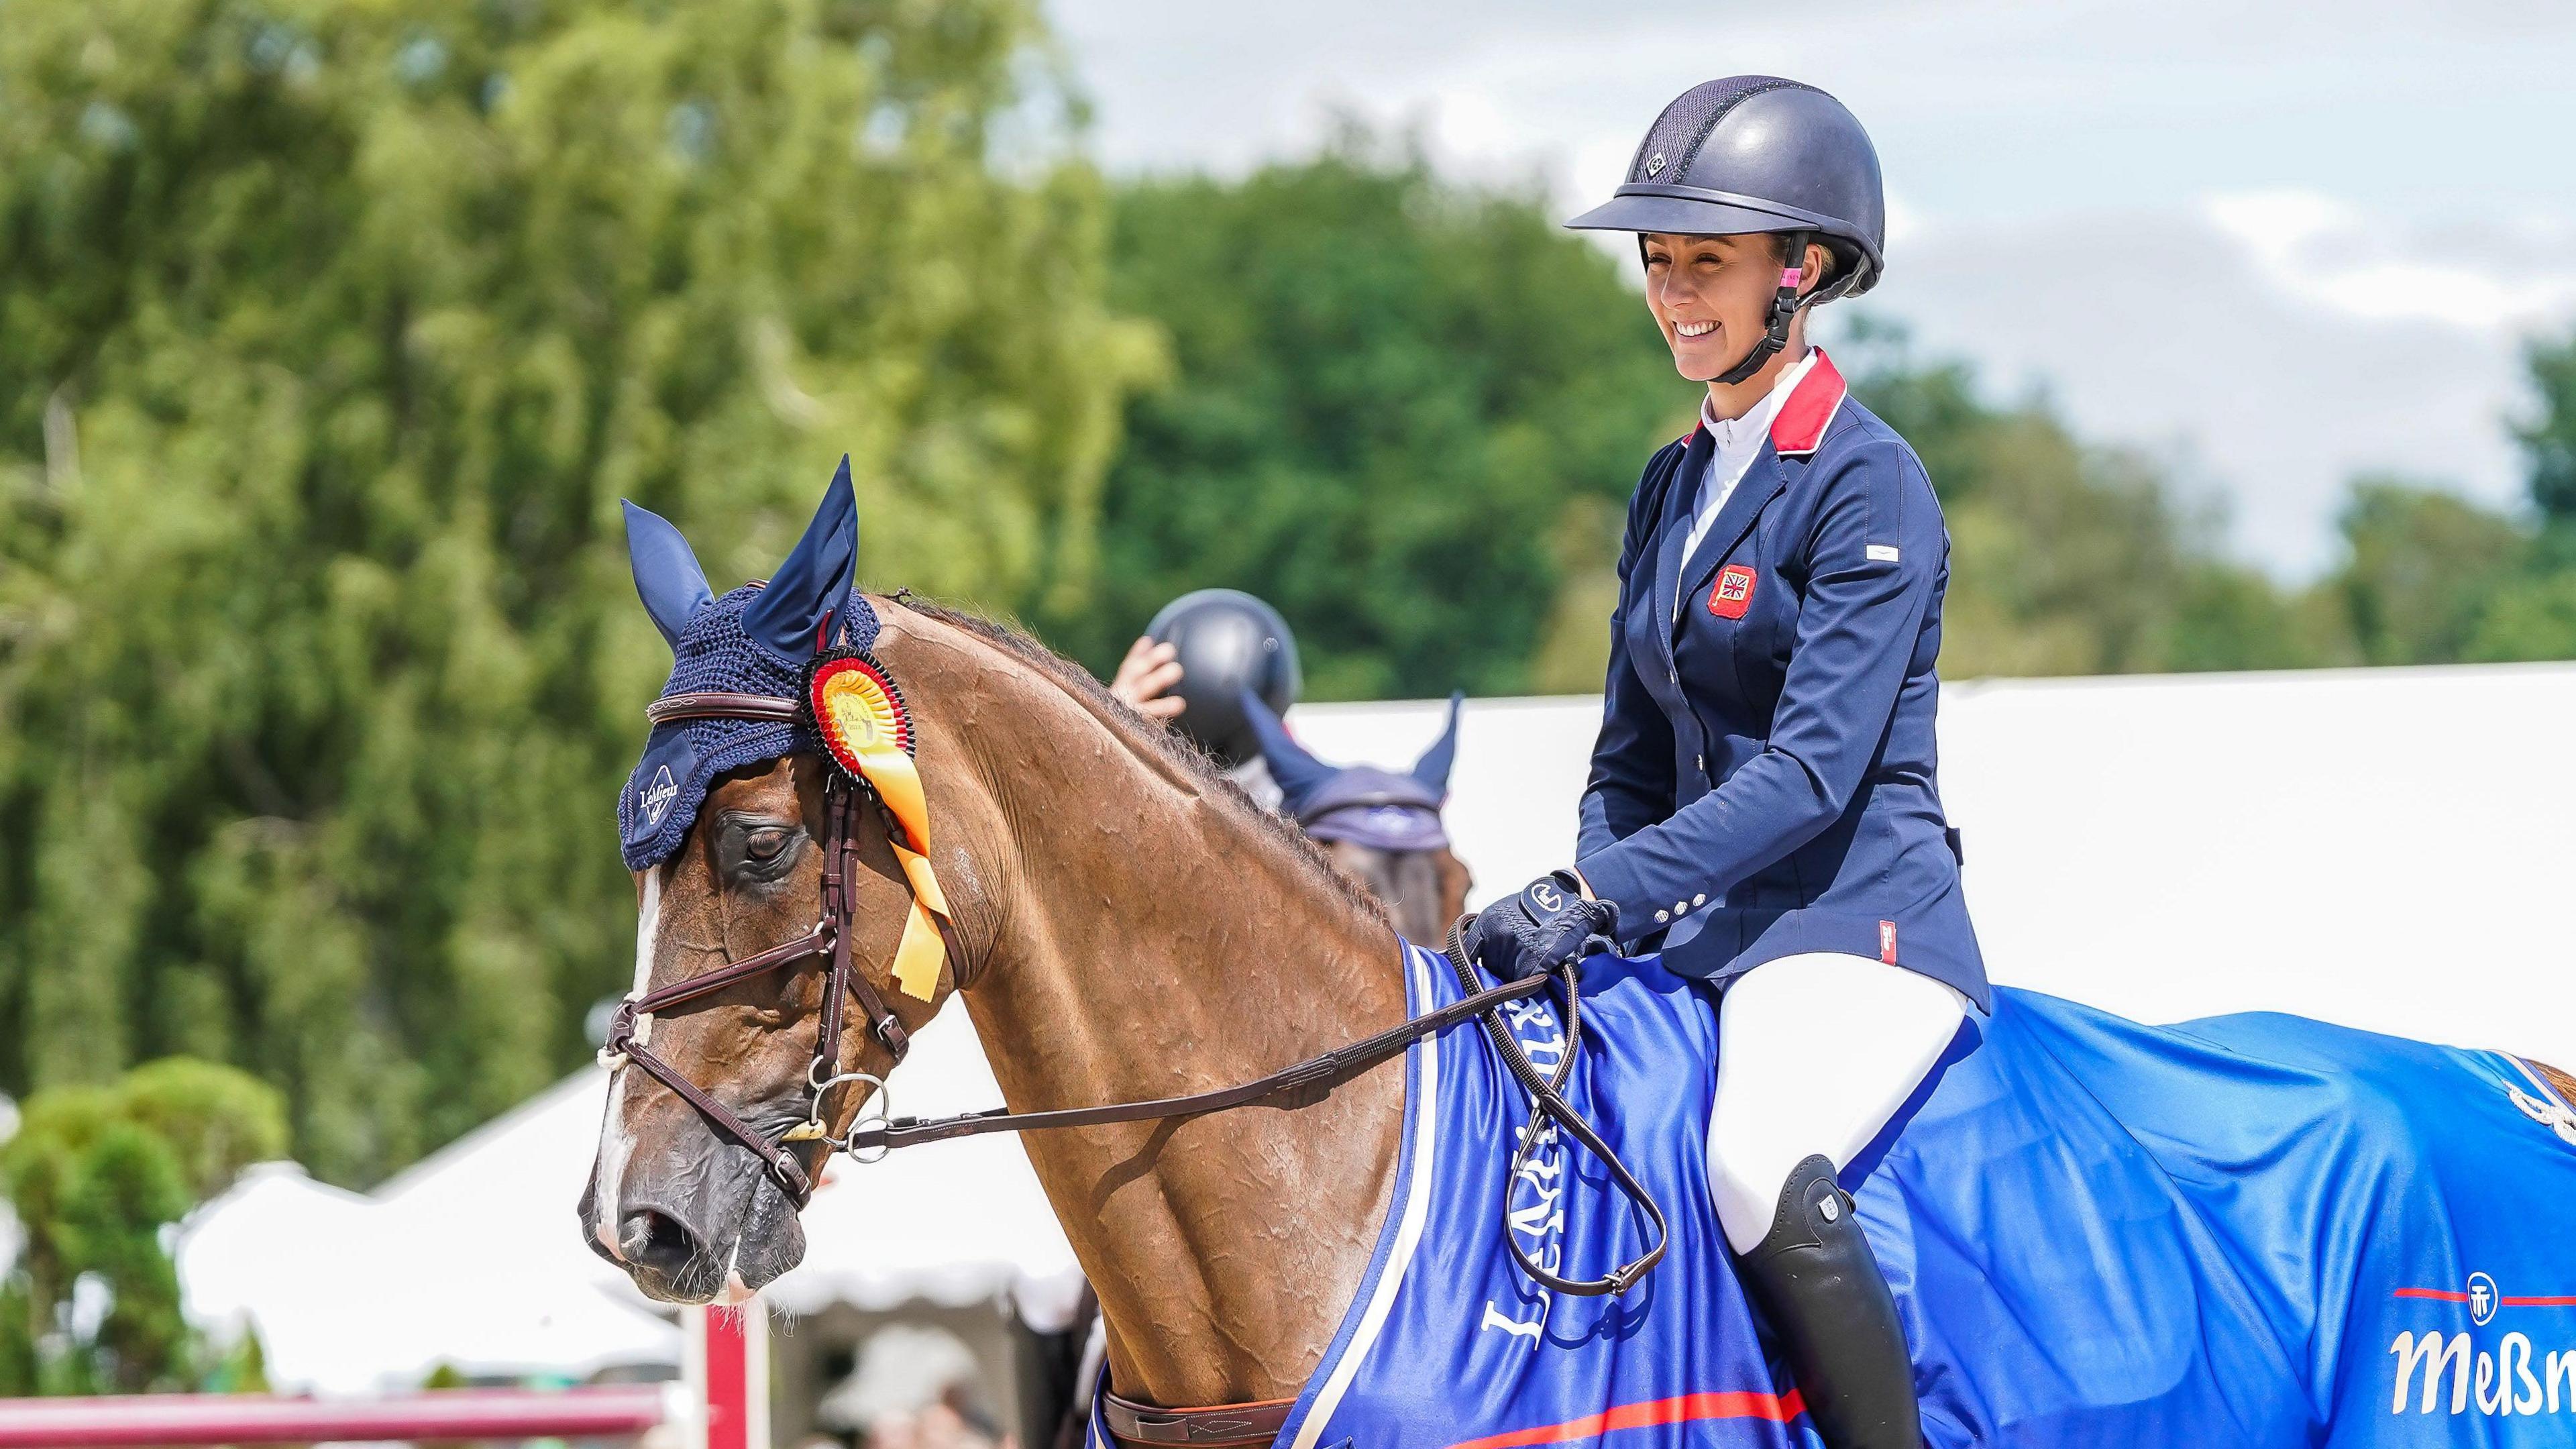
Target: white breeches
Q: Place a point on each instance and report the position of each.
(1815, 1054)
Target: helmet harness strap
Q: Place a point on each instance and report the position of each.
(1784, 310)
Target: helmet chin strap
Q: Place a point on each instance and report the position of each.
(1784, 310)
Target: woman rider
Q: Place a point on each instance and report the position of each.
(1762, 797)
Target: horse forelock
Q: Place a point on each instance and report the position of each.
(1157, 748)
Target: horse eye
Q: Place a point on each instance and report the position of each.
(764, 845)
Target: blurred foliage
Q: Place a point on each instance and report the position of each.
(2066, 557)
(1388, 391)
(333, 333)
(2549, 439)
(97, 1176)
(2073, 558)
(1408, 412)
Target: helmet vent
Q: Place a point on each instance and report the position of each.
(1684, 126)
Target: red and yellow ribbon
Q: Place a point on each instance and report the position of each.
(867, 731)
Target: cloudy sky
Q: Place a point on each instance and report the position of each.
(2279, 243)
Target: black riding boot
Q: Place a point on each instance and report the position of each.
(1820, 1287)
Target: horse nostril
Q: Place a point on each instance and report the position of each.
(656, 1240)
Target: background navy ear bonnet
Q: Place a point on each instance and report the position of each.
(1361, 804)
(754, 640)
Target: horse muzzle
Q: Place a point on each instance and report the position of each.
(716, 1228)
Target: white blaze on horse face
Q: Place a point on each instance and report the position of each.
(616, 1144)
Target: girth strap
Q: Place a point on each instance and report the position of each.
(1213, 1427)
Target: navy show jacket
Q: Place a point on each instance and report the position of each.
(1766, 762)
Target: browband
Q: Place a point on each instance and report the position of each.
(722, 704)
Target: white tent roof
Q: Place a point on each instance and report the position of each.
(2386, 848)
(472, 1257)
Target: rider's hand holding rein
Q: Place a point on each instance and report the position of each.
(1551, 921)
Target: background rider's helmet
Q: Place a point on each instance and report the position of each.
(1755, 153)
(1226, 641)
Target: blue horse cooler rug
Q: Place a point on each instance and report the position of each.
(2253, 1230)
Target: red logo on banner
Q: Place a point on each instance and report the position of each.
(1887, 942)
(1733, 593)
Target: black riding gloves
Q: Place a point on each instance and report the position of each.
(1547, 924)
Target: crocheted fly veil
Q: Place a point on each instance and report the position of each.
(759, 639)
(1361, 804)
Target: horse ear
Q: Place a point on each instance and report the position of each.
(1432, 770)
(1298, 774)
(788, 615)
(667, 576)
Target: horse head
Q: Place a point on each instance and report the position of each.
(1382, 826)
(724, 822)
(850, 809)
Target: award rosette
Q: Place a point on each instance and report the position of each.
(867, 733)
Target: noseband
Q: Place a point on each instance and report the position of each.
(630, 1029)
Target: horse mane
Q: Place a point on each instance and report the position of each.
(1171, 746)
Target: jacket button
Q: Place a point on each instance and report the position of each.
(1672, 676)
(1662, 916)
(1681, 908)
(1701, 899)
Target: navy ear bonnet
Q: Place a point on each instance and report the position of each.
(1361, 804)
(754, 640)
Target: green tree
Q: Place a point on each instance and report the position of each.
(2425, 566)
(329, 338)
(2069, 557)
(95, 1176)
(2549, 439)
(1388, 391)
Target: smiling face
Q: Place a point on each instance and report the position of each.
(1711, 295)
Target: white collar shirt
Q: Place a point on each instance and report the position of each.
(1738, 441)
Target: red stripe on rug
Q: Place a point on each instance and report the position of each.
(1689, 1408)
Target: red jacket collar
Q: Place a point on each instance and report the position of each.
(1804, 414)
(1809, 409)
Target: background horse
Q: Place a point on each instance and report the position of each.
(1380, 825)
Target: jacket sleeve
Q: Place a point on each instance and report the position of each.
(1874, 560)
(1632, 759)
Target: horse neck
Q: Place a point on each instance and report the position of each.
(1145, 936)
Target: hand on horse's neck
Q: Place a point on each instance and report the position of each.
(1145, 939)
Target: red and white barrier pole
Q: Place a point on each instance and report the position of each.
(140, 1419)
(724, 1359)
(721, 1402)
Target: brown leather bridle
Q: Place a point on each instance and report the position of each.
(629, 1030)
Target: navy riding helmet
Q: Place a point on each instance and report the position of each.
(1755, 153)
(1226, 642)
